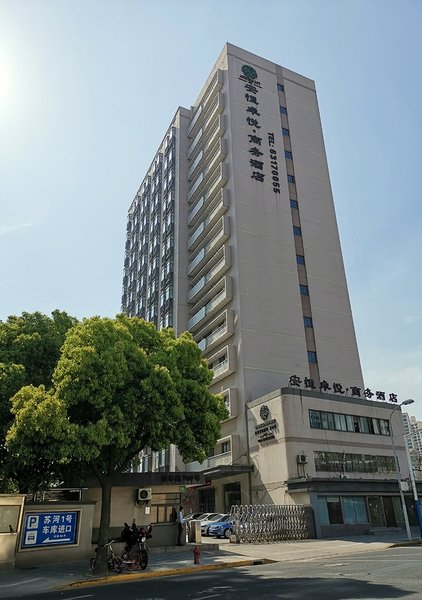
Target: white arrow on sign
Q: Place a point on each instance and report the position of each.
(56, 541)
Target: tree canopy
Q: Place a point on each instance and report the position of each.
(119, 386)
(29, 350)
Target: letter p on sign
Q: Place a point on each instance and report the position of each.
(33, 522)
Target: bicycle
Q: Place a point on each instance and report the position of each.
(114, 563)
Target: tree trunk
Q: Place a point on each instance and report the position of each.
(102, 553)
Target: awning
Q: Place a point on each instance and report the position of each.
(221, 471)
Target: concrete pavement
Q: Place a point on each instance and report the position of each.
(215, 554)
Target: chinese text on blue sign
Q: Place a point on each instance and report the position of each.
(50, 529)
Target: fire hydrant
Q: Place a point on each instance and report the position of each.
(196, 555)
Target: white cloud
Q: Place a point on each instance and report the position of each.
(5, 229)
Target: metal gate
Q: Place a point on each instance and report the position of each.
(271, 522)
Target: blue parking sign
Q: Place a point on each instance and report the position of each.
(57, 528)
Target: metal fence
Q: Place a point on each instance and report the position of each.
(271, 523)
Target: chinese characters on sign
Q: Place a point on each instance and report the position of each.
(50, 529)
(256, 160)
(251, 94)
(337, 388)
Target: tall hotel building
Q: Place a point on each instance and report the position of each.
(232, 235)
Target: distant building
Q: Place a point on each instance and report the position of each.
(232, 235)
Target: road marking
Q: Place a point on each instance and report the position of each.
(77, 597)
(22, 582)
(212, 596)
(335, 565)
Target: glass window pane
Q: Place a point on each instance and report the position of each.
(315, 419)
(323, 510)
(363, 425)
(349, 423)
(337, 422)
(343, 425)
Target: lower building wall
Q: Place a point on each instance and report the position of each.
(11, 509)
(337, 531)
(163, 534)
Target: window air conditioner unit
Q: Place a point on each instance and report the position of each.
(301, 459)
(144, 494)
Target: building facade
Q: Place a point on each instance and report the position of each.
(232, 235)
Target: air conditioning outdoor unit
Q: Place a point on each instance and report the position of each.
(144, 494)
(301, 459)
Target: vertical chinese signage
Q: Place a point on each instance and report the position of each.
(256, 161)
(50, 529)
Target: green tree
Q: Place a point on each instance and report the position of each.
(119, 386)
(29, 350)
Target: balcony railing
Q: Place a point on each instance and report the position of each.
(214, 336)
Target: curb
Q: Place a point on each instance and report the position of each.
(406, 543)
(165, 573)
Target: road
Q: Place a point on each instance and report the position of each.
(393, 573)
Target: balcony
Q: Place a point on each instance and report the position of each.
(227, 450)
(208, 223)
(205, 254)
(217, 303)
(230, 400)
(214, 87)
(214, 129)
(226, 366)
(205, 283)
(211, 170)
(212, 195)
(214, 333)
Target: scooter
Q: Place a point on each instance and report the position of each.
(137, 556)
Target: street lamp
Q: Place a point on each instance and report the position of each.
(403, 502)
(412, 480)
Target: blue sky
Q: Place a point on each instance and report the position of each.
(88, 87)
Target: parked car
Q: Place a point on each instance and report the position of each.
(192, 517)
(223, 528)
(205, 525)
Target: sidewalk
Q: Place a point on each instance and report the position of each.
(215, 554)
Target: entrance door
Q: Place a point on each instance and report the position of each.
(207, 500)
(390, 517)
(232, 495)
(376, 511)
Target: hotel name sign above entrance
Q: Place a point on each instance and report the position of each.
(337, 388)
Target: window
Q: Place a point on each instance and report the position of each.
(315, 419)
(225, 447)
(297, 230)
(291, 178)
(285, 131)
(283, 110)
(313, 359)
(336, 510)
(307, 321)
(280, 87)
(294, 203)
(288, 154)
(342, 462)
(304, 290)
(320, 420)
(300, 259)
